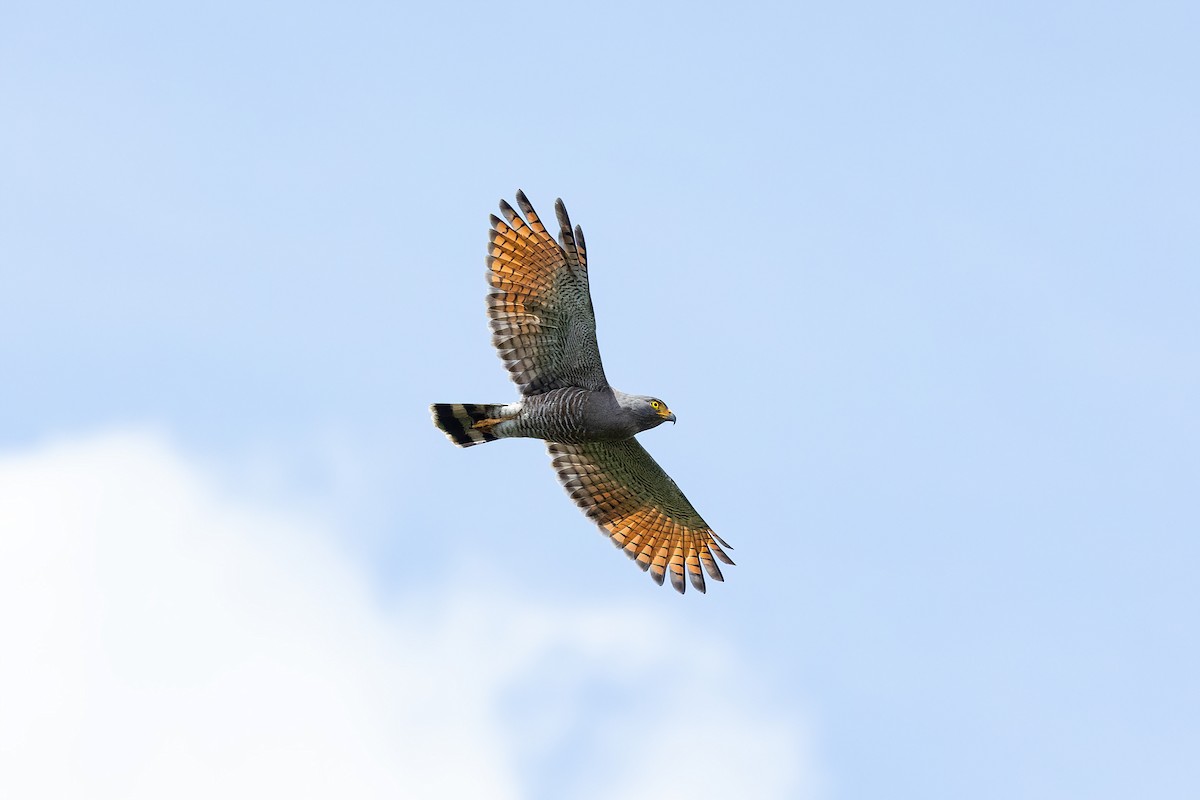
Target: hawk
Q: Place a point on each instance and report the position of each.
(544, 327)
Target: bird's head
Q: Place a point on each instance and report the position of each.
(652, 412)
(644, 411)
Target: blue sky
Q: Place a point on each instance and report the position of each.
(921, 284)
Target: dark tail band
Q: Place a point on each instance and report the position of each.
(459, 420)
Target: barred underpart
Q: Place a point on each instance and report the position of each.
(556, 415)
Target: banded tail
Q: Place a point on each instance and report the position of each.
(467, 424)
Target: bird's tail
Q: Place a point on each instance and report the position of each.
(468, 424)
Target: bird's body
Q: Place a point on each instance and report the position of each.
(544, 328)
(571, 415)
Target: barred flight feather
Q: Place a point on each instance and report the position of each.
(620, 488)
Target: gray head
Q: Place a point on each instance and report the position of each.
(648, 412)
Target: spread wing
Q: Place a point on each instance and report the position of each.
(540, 307)
(620, 487)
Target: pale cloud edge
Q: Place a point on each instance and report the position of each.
(165, 639)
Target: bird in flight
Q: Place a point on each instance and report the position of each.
(543, 325)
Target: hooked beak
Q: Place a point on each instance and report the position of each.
(669, 417)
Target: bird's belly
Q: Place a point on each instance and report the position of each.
(556, 416)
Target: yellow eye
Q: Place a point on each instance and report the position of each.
(655, 405)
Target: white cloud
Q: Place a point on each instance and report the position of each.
(161, 639)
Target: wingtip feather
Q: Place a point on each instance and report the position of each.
(510, 214)
(524, 203)
(560, 211)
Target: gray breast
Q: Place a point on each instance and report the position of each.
(605, 420)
